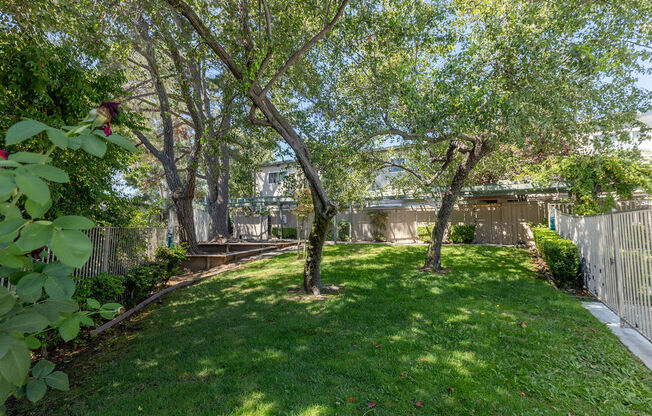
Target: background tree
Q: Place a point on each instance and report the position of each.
(453, 81)
(260, 42)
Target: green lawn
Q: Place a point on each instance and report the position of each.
(237, 344)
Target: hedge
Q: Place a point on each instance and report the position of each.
(288, 232)
(560, 254)
(462, 233)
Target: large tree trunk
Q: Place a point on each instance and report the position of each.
(217, 180)
(186, 219)
(433, 255)
(311, 269)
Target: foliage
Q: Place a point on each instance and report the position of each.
(462, 233)
(143, 279)
(342, 231)
(454, 342)
(378, 220)
(425, 232)
(560, 255)
(288, 232)
(49, 82)
(103, 287)
(171, 258)
(24, 238)
(596, 180)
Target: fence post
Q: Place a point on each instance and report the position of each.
(335, 229)
(619, 278)
(350, 223)
(105, 249)
(280, 214)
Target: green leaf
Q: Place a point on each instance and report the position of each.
(9, 163)
(30, 286)
(14, 366)
(28, 157)
(42, 368)
(74, 143)
(24, 130)
(111, 306)
(107, 314)
(34, 236)
(52, 308)
(10, 260)
(10, 226)
(50, 173)
(10, 211)
(85, 320)
(58, 138)
(57, 269)
(33, 187)
(69, 328)
(5, 343)
(72, 248)
(36, 210)
(6, 388)
(25, 322)
(7, 300)
(92, 303)
(7, 186)
(60, 287)
(32, 342)
(91, 144)
(117, 140)
(35, 390)
(74, 222)
(58, 380)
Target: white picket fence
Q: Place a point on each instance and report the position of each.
(616, 254)
(117, 249)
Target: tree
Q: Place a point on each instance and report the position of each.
(249, 65)
(596, 180)
(451, 82)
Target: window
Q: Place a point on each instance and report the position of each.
(272, 177)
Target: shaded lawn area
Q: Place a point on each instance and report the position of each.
(238, 345)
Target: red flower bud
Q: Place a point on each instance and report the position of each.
(4, 154)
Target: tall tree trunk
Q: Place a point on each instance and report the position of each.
(217, 180)
(186, 218)
(433, 255)
(311, 269)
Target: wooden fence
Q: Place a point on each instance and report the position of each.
(616, 257)
(117, 249)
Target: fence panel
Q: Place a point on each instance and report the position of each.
(616, 254)
(116, 250)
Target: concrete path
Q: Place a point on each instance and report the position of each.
(635, 342)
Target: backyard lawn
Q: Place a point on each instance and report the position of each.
(486, 337)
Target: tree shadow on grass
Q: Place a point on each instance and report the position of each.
(238, 345)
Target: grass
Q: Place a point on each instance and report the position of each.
(237, 344)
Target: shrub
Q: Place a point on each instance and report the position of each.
(425, 232)
(560, 254)
(171, 258)
(288, 232)
(342, 231)
(462, 233)
(104, 288)
(143, 279)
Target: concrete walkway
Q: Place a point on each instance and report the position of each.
(635, 342)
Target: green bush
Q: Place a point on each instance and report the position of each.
(378, 220)
(143, 279)
(560, 254)
(288, 232)
(425, 232)
(171, 258)
(342, 231)
(104, 288)
(462, 233)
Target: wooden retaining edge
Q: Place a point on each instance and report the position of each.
(203, 276)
